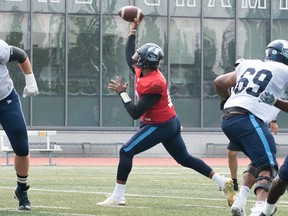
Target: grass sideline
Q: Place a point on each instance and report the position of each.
(153, 191)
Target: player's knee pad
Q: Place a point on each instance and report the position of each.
(268, 179)
(265, 185)
(252, 170)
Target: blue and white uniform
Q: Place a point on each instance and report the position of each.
(250, 130)
(11, 115)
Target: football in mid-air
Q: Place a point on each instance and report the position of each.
(129, 13)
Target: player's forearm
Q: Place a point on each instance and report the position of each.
(26, 67)
(282, 105)
(130, 50)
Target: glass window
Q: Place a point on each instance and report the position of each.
(185, 65)
(153, 7)
(253, 35)
(14, 30)
(12, 5)
(83, 70)
(83, 6)
(280, 9)
(280, 31)
(185, 8)
(49, 6)
(218, 58)
(115, 33)
(204, 39)
(254, 9)
(224, 8)
(112, 7)
(49, 68)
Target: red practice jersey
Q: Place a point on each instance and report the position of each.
(155, 83)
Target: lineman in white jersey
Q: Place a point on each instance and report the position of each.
(12, 119)
(245, 122)
(276, 96)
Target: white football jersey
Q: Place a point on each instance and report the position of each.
(253, 77)
(6, 83)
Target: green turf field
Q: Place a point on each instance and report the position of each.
(150, 191)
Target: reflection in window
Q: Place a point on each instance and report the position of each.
(83, 71)
(14, 30)
(185, 81)
(219, 51)
(185, 57)
(48, 53)
(83, 68)
(218, 58)
(49, 68)
(115, 33)
(253, 36)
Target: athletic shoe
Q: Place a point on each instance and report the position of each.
(238, 207)
(257, 208)
(112, 201)
(22, 197)
(274, 210)
(228, 190)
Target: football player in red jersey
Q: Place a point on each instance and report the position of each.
(159, 122)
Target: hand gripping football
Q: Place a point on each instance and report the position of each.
(129, 13)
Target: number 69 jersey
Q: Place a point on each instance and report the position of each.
(253, 77)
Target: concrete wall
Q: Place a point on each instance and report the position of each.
(74, 143)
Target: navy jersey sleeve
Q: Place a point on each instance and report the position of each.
(145, 102)
(130, 50)
(17, 54)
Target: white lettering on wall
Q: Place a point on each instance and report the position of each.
(52, 1)
(83, 1)
(283, 5)
(224, 3)
(152, 2)
(253, 4)
(189, 3)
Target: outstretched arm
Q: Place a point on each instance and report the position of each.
(223, 83)
(270, 99)
(130, 50)
(20, 55)
(130, 47)
(144, 103)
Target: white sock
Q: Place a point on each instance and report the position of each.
(268, 209)
(244, 193)
(217, 179)
(118, 191)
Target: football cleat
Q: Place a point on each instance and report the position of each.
(257, 208)
(238, 207)
(22, 197)
(112, 201)
(228, 190)
(274, 211)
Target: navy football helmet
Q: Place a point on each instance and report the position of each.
(148, 55)
(277, 51)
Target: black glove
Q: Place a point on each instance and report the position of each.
(223, 101)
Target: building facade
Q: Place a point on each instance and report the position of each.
(77, 46)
